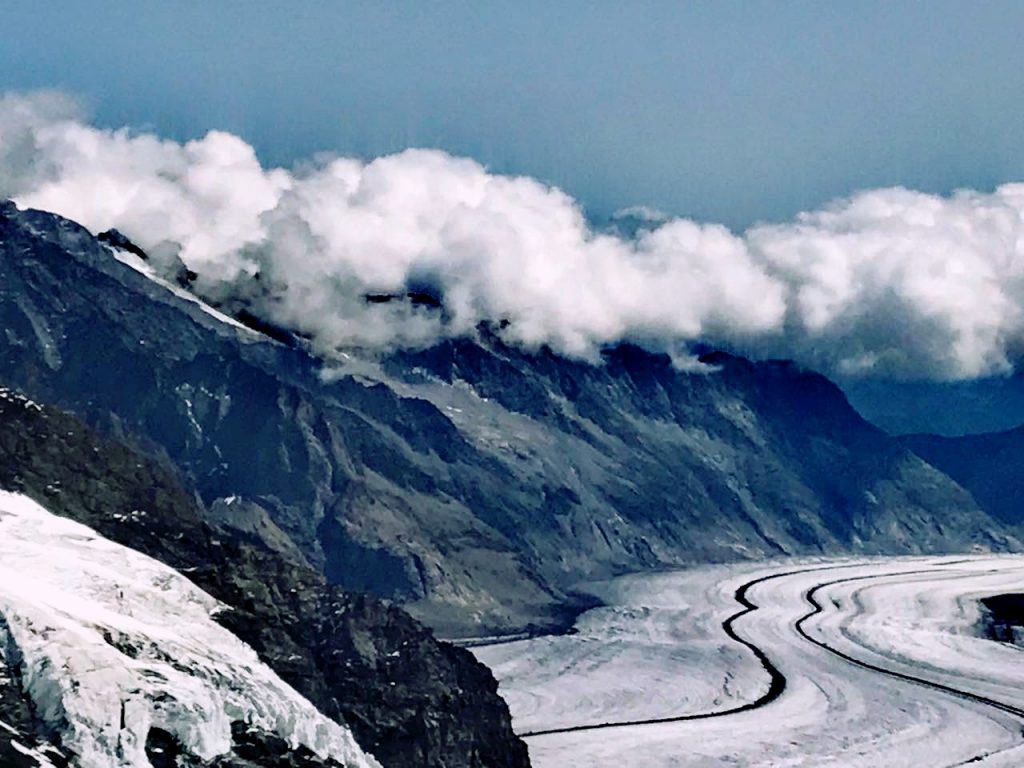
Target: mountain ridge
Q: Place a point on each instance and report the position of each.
(475, 482)
(989, 465)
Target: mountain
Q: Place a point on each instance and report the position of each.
(990, 466)
(122, 658)
(96, 604)
(949, 408)
(473, 481)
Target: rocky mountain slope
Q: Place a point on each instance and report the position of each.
(409, 700)
(475, 482)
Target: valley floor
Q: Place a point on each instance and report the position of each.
(856, 662)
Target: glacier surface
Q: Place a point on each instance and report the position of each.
(882, 658)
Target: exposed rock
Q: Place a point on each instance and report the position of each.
(115, 239)
(415, 298)
(1002, 618)
(409, 700)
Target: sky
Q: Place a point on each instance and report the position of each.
(841, 184)
(717, 111)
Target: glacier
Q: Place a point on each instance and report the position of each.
(883, 660)
(112, 644)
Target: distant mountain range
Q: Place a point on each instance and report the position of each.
(989, 466)
(934, 407)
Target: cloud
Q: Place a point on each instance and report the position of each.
(641, 213)
(888, 282)
(898, 282)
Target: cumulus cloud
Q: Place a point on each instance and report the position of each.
(898, 282)
(888, 282)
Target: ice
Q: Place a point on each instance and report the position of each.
(114, 643)
(920, 687)
(626, 661)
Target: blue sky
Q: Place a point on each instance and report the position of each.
(732, 112)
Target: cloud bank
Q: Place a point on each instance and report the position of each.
(889, 282)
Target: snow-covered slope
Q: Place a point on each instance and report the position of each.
(136, 263)
(114, 644)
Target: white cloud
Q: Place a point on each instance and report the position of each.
(903, 282)
(888, 282)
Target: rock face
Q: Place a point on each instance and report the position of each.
(408, 699)
(474, 482)
(1002, 618)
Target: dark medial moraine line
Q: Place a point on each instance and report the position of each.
(776, 684)
(816, 608)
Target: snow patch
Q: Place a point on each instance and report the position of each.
(130, 259)
(41, 760)
(13, 397)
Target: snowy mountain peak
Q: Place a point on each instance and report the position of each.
(117, 650)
